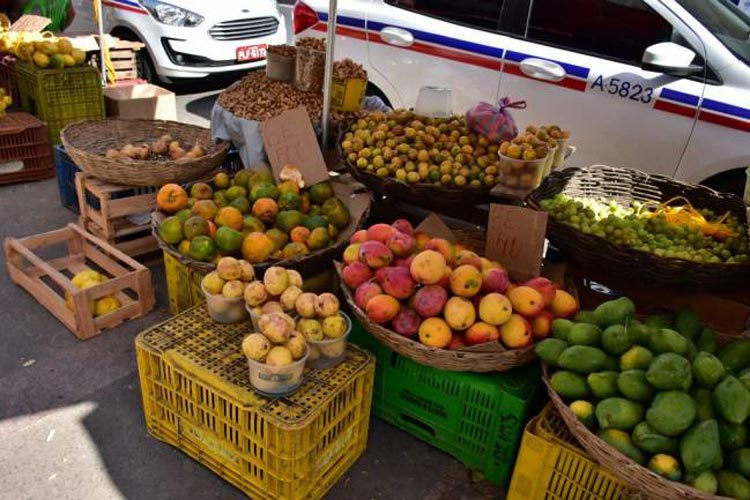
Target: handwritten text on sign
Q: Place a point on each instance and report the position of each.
(515, 238)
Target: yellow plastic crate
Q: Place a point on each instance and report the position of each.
(197, 397)
(184, 284)
(552, 465)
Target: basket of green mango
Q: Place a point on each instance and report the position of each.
(662, 401)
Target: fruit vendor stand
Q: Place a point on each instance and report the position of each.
(575, 332)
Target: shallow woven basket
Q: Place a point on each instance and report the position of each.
(481, 358)
(625, 186)
(634, 475)
(87, 142)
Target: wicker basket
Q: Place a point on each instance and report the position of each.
(87, 142)
(624, 186)
(634, 475)
(481, 358)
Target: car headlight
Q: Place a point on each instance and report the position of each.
(171, 14)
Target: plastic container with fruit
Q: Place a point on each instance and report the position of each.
(224, 290)
(225, 309)
(330, 351)
(277, 380)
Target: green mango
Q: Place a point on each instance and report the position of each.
(700, 445)
(549, 350)
(603, 384)
(671, 413)
(615, 312)
(657, 321)
(666, 340)
(634, 386)
(585, 334)
(739, 461)
(621, 441)
(618, 413)
(706, 341)
(584, 411)
(561, 327)
(670, 371)
(705, 481)
(665, 466)
(616, 339)
(651, 441)
(687, 322)
(707, 370)
(585, 316)
(733, 485)
(636, 358)
(703, 402)
(732, 436)
(639, 333)
(744, 377)
(582, 359)
(569, 385)
(735, 355)
(732, 400)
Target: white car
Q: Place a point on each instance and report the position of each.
(658, 85)
(188, 39)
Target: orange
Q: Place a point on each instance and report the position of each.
(278, 237)
(319, 238)
(257, 247)
(171, 198)
(205, 208)
(202, 248)
(229, 216)
(294, 250)
(265, 209)
(300, 234)
(170, 230)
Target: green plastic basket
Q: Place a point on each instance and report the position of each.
(478, 418)
(60, 96)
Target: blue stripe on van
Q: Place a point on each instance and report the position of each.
(727, 109)
(681, 97)
(570, 69)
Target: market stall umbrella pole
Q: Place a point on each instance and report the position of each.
(328, 76)
(102, 49)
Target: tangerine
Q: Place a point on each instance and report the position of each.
(229, 216)
(300, 234)
(257, 247)
(266, 210)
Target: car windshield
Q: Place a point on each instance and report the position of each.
(730, 25)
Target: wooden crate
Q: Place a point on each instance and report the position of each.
(68, 251)
(106, 215)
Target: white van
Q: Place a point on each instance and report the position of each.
(658, 85)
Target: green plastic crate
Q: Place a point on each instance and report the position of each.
(478, 418)
(60, 96)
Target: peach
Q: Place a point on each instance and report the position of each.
(420, 240)
(351, 253)
(305, 304)
(541, 326)
(480, 333)
(430, 300)
(271, 307)
(564, 305)
(229, 268)
(327, 304)
(495, 309)
(295, 278)
(255, 293)
(311, 329)
(375, 254)
(459, 313)
(380, 232)
(401, 244)
(406, 323)
(457, 342)
(276, 280)
(365, 292)
(516, 332)
(359, 236)
(275, 327)
(544, 287)
(428, 267)
(382, 308)
(469, 258)
(403, 226)
(403, 261)
(443, 246)
(398, 282)
(495, 280)
(466, 281)
(355, 274)
(288, 299)
(380, 274)
(256, 346)
(435, 332)
(526, 301)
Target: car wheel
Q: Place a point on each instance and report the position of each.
(732, 181)
(146, 67)
(372, 90)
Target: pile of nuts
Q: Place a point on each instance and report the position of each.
(285, 51)
(163, 148)
(309, 42)
(347, 68)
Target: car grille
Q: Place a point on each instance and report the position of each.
(241, 29)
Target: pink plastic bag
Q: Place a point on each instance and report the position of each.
(494, 122)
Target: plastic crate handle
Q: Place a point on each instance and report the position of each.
(417, 426)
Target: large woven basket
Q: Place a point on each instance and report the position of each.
(625, 186)
(87, 142)
(634, 475)
(481, 358)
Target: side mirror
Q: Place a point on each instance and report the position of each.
(670, 58)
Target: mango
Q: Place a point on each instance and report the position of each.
(700, 446)
(705, 481)
(735, 355)
(584, 334)
(670, 371)
(615, 312)
(733, 485)
(616, 339)
(732, 436)
(744, 377)
(639, 333)
(621, 441)
(671, 413)
(666, 340)
(739, 461)
(634, 386)
(703, 403)
(561, 328)
(585, 316)
(603, 384)
(618, 413)
(636, 358)
(569, 385)
(657, 321)
(651, 441)
(707, 370)
(665, 466)
(706, 341)
(687, 322)
(549, 350)
(584, 411)
(582, 359)
(732, 400)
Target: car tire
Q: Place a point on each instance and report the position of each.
(145, 67)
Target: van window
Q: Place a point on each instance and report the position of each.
(613, 29)
(482, 14)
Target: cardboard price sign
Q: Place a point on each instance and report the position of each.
(515, 238)
(289, 139)
(29, 22)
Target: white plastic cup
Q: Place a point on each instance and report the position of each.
(277, 380)
(329, 352)
(223, 309)
(434, 102)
